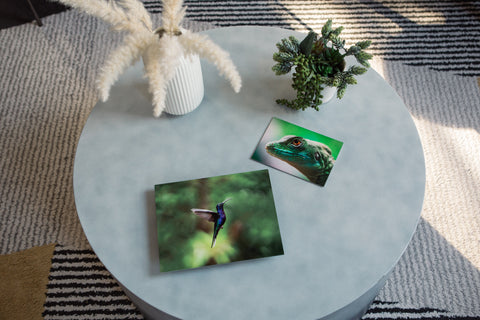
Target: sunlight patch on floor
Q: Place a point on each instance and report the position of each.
(377, 64)
(449, 205)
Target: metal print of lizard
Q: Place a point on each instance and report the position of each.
(298, 151)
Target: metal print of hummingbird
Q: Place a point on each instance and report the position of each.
(218, 218)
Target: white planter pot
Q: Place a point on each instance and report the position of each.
(185, 91)
(328, 93)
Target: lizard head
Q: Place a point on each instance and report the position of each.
(290, 149)
(309, 157)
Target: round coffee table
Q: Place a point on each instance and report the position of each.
(340, 241)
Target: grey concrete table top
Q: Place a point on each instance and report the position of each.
(340, 241)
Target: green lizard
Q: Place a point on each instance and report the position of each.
(313, 159)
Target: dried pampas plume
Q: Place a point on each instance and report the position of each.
(160, 48)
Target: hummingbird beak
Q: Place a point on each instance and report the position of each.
(228, 199)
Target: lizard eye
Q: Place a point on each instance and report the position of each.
(296, 142)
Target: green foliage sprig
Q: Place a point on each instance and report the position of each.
(319, 62)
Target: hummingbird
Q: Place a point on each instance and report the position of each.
(218, 218)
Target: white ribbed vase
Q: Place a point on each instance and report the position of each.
(185, 91)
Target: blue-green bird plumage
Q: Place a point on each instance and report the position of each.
(218, 218)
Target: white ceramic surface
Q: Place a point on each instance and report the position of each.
(328, 94)
(340, 241)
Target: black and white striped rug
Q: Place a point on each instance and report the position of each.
(80, 286)
(443, 35)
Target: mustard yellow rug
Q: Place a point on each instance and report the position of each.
(23, 282)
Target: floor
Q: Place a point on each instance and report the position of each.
(13, 13)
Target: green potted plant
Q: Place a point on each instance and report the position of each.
(319, 62)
